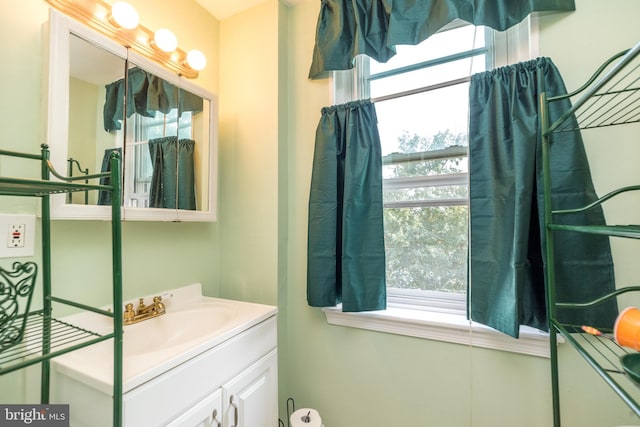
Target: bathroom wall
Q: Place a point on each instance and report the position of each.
(250, 135)
(362, 378)
(156, 256)
(253, 144)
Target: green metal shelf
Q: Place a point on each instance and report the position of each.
(629, 231)
(35, 188)
(63, 337)
(610, 97)
(603, 354)
(17, 186)
(47, 337)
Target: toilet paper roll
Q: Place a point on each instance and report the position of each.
(305, 417)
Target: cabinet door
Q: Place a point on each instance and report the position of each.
(206, 413)
(251, 398)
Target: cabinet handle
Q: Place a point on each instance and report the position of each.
(214, 415)
(235, 411)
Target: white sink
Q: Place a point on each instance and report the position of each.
(192, 324)
(177, 328)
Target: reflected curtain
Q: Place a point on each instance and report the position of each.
(172, 180)
(346, 259)
(104, 197)
(347, 28)
(506, 207)
(147, 94)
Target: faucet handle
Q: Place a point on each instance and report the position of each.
(160, 307)
(128, 314)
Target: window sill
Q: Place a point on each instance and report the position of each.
(453, 328)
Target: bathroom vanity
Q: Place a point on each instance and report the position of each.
(206, 362)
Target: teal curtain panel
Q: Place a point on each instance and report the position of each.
(507, 284)
(346, 258)
(347, 28)
(146, 95)
(172, 181)
(104, 197)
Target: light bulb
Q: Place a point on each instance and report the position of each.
(165, 40)
(124, 15)
(196, 60)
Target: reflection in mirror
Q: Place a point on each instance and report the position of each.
(159, 133)
(92, 69)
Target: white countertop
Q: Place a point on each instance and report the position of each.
(193, 324)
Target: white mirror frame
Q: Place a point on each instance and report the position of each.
(57, 100)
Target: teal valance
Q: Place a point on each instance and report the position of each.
(347, 28)
(147, 94)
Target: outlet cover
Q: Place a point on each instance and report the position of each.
(15, 235)
(20, 233)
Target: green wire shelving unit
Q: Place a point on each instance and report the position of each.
(44, 336)
(610, 97)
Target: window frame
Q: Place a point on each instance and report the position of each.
(430, 314)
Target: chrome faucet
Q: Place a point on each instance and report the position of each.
(143, 311)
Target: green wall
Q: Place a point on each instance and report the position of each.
(363, 378)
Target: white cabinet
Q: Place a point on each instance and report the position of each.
(207, 413)
(250, 399)
(231, 384)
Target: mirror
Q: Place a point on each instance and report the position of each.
(167, 137)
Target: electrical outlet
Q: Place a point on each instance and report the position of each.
(16, 236)
(20, 237)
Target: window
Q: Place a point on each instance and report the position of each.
(422, 104)
(421, 98)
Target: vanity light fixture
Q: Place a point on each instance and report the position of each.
(196, 60)
(165, 40)
(120, 22)
(124, 15)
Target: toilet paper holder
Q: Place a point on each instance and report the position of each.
(305, 415)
